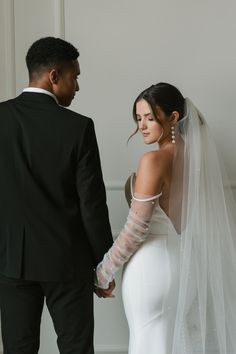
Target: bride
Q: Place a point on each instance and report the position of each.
(178, 244)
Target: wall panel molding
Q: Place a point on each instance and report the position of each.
(119, 185)
(114, 185)
(9, 48)
(8, 52)
(59, 18)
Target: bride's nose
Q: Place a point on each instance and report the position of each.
(143, 125)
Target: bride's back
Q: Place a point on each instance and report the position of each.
(171, 161)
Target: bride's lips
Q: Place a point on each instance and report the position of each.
(145, 134)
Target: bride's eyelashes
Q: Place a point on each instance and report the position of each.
(149, 119)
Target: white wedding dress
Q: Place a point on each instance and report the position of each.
(150, 285)
(178, 289)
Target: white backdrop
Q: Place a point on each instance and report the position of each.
(125, 46)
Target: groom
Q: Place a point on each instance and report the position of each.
(54, 226)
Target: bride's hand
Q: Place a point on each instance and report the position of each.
(106, 292)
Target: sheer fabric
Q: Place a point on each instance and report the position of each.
(201, 210)
(129, 240)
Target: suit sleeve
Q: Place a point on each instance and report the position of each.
(92, 195)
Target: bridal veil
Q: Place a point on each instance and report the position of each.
(201, 208)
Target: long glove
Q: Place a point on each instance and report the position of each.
(131, 237)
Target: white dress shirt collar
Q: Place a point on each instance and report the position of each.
(40, 90)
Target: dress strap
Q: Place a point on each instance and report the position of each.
(141, 199)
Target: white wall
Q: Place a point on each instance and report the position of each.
(125, 46)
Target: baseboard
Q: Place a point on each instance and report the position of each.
(100, 349)
(110, 349)
(96, 352)
(110, 352)
(103, 350)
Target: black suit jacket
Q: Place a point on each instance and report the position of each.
(54, 222)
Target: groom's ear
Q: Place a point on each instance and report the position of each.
(53, 76)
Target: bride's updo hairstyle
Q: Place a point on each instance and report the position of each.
(166, 96)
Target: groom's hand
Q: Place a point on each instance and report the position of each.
(106, 292)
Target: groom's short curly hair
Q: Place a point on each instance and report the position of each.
(49, 52)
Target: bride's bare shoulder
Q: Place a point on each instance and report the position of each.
(151, 172)
(156, 159)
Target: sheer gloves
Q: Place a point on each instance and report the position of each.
(131, 237)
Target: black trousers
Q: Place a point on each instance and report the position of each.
(70, 305)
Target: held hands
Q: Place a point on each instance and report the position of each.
(103, 284)
(106, 292)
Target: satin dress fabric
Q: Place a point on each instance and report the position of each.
(150, 286)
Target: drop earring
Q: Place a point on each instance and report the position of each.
(173, 134)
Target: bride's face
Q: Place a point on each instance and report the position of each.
(150, 129)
